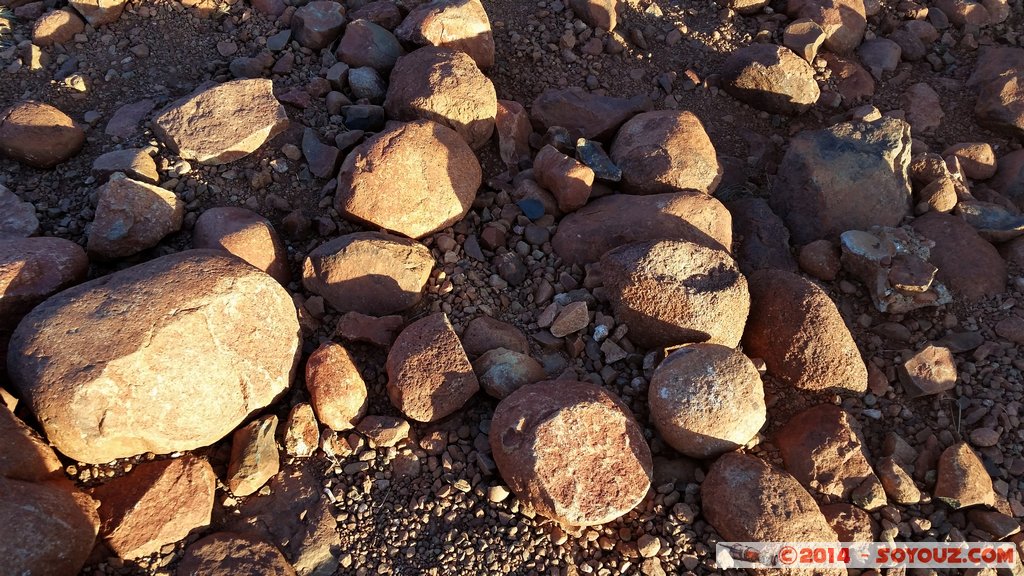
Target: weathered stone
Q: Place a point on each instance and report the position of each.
(254, 456)
(850, 523)
(514, 129)
(384, 13)
(379, 331)
(771, 78)
(977, 159)
(336, 388)
(665, 151)
(804, 37)
(844, 21)
(502, 372)
(367, 45)
(301, 431)
(899, 486)
(317, 24)
(962, 480)
(484, 333)
(880, 55)
(1009, 179)
(245, 234)
(893, 265)
(124, 122)
(322, 159)
(585, 114)
(923, 108)
(136, 163)
(56, 27)
(968, 265)
(26, 456)
(228, 554)
(597, 13)
(132, 216)
(17, 218)
(930, 371)
(568, 180)
(99, 12)
(457, 24)
(384, 431)
(820, 259)
(762, 237)
(38, 134)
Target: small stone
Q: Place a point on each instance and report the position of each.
(898, 484)
(336, 388)
(132, 216)
(38, 135)
(567, 179)
(318, 23)
(648, 545)
(17, 218)
(804, 37)
(254, 457)
(383, 431)
(573, 318)
(820, 259)
(930, 371)
(962, 479)
(302, 433)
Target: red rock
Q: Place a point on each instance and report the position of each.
(484, 333)
(317, 24)
(1009, 179)
(572, 451)
(502, 372)
(245, 234)
(962, 479)
(270, 7)
(57, 27)
(254, 456)
(977, 159)
(26, 456)
(850, 523)
(930, 371)
(771, 78)
(322, 159)
(132, 216)
(968, 265)
(17, 218)
(366, 44)
(336, 388)
(566, 178)
(38, 134)
(301, 431)
(136, 163)
(1011, 328)
(227, 554)
(844, 21)
(820, 259)
(804, 37)
(597, 13)
(357, 327)
(99, 12)
(923, 108)
(383, 431)
(898, 484)
(513, 127)
(457, 24)
(429, 375)
(124, 123)
(584, 114)
(762, 237)
(852, 80)
(666, 151)
(383, 13)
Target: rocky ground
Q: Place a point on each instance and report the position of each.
(735, 271)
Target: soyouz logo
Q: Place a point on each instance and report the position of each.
(960, 555)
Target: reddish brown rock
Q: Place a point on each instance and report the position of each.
(132, 216)
(597, 13)
(513, 127)
(26, 456)
(968, 265)
(572, 451)
(457, 24)
(366, 44)
(665, 151)
(1009, 179)
(301, 431)
(245, 234)
(973, 12)
(317, 24)
(384, 431)
(336, 389)
(254, 456)
(674, 292)
(383, 13)
(99, 12)
(17, 218)
(898, 484)
(844, 21)
(136, 163)
(804, 37)
(962, 479)
(930, 371)
(228, 554)
(368, 272)
(850, 523)
(484, 333)
(222, 123)
(585, 114)
(762, 239)
(502, 372)
(445, 86)
(798, 331)
(852, 80)
(38, 134)
(977, 159)
(706, 399)
(568, 180)
(429, 375)
(923, 108)
(93, 361)
(57, 27)
(820, 259)
(357, 327)
(156, 504)
(378, 185)
(771, 78)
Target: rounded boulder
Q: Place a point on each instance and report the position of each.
(38, 134)
(771, 78)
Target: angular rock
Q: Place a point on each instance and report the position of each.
(366, 44)
(797, 330)
(245, 234)
(962, 480)
(457, 24)
(880, 55)
(445, 86)
(301, 431)
(850, 523)
(124, 123)
(853, 82)
(968, 265)
(804, 37)
(844, 21)
(17, 218)
(674, 292)
(336, 389)
(135, 163)
(571, 450)
(744, 6)
(850, 176)
(99, 12)
(222, 123)
(228, 554)
(321, 158)
(571, 319)
(38, 134)
(254, 456)
(429, 375)
(762, 237)
(568, 180)
(26, 455)
(369, 272)
(977, 159)
(57, 27)
(101, 397)
(820, 259)
(502, 372)
(514, 129)
(665, 151)
(377, 184)
(1009, 179)
(706, 399)
(923, 107)
(132, 216)
(893, 265)
(585, 114)
(597, 13)
(898, 484)
(384, 431)
(770, 78)
(484, 333)
(381, 12)
(930, 371)
(318, 23)
(156, 504)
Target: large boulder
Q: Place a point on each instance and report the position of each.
(38, 134)
(851, 176)
(843, 21)
(369, 272)
(457, 24)
(611, 221)
(222, 123)
(414, 179)
(571, 450)
(165, 356)
(445, 86)
(132, 216)
(674, 292)
(771, 78)
(797, 330)
(968, 265)
(666, 151)
(230, 554)
(245, 234)
(585, 114)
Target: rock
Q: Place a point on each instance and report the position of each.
(973, 12)
(270, 7)
(321, 158)
(822, 448)
(57, 27)
(357, 327)
(744, 6)
(899, 486)
(156, 504)
(245, 234)
(999, 525)
(924, 110)
(254, 457)
(135, 163)
(592, 154)
(383, 431)
(384, 13)
(706, 399)
(124, 123)
(843, 21)
(585, 114)
(1011, 328)
(850, 523)
(484, 333)
(1009, 179)
(376, 186)
(798, 331)
(666, 151)
(99, 12)
(228, 554)
(457, 24)
(502, 371)
(1000, 103)
(930, 371)
(618, 219)
(893, 265)
(763, 239)
(27, 456)
(100, 397)
(968, 265)
(804, 37)
(514, 129)
(17, 218)
(596, 13)
(222, 123)
(568, 180)
(977, 159)
(318, 23)
(38, 134)
(912, 47)
(336, 388)
(368, 272)
(880, 55)
(571, 319)
(302, 432)
(366, 44)
(962, 480)
(674, 292)
(47, 528)
(132, 216)
(770, 78)
(445, 86)
(572, 451)
(366, 83)
(848, 177)
(429, 375)
(820, 259)
(939, 196)
(853, 82)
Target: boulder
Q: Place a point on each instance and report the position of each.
(245, 234)
(414, 178)
(368, 272)
(132, 216)
(222, 123)
(799, 333)
(968, 265)
(429, 375)
(99, 12)
(850, 176)
(706, 399)
(585, 114)
(502, 372)
(1009, 178)
(771, 78)
(674, 292)
(457, 24)
(17, 218)
(26, 455)
(254, 456)
(665, 151)
(571, 450)
(484, 333)
(228, 554)
(336, 389)
(962, 479)
(368, 45)
(136, 163)
(596, 13)
(568, 180)
(445, 86)
(57, 27)
(165, 356)
(317, 24)
(762, 239)
(38, 134)
(844, 21)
